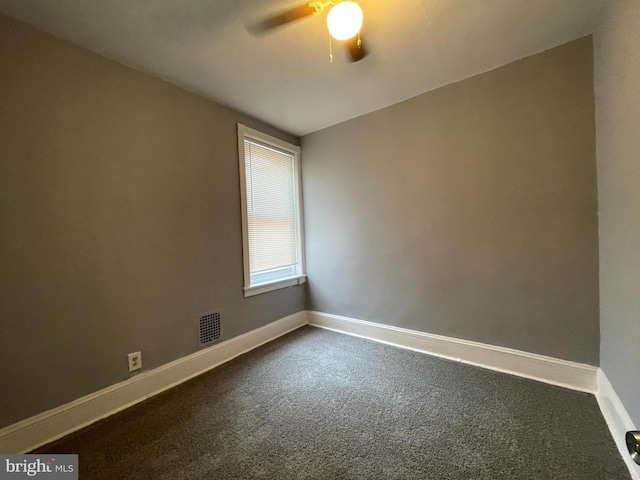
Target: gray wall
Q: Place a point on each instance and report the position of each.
(617, 87)
(468, 211)
(120, 217)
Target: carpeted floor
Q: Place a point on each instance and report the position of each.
(320, 405)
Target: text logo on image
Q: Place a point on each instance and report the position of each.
(52, 467)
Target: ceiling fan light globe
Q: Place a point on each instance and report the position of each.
(344, 20)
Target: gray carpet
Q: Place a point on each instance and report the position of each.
(320, 405)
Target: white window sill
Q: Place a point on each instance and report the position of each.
(278, 284)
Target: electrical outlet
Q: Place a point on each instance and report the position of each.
(135, 361)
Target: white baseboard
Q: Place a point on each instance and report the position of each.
(617, 419)
(575, 376)
(46, 427)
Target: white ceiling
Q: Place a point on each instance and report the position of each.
(285, 78)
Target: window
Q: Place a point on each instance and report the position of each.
(271, 212)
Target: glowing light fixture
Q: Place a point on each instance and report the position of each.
(344, 20)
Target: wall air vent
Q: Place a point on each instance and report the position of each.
(209, 327)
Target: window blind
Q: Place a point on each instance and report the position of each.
(271, 212)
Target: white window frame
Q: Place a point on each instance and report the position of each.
(245, 132)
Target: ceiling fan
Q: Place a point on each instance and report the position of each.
(344, 21)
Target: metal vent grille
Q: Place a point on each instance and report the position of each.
(209, 327)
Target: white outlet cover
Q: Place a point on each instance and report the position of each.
(135, 361)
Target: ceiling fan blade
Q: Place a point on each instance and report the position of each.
(282, 18)
(356, 51)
